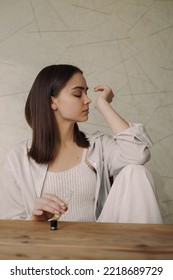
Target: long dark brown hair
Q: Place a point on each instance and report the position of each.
(40, 117)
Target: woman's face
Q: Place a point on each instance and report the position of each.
(72, 103)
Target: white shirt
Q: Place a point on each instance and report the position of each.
(24, 178)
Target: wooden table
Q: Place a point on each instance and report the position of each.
(84, 241)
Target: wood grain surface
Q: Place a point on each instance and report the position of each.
(78, 240)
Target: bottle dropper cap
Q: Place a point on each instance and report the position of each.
(53, 224)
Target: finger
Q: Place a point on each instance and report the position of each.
(37, 215)
(51, 206)
(37, 212)
(51, 209)
(54, 198)
(99, 88)
(46, 205)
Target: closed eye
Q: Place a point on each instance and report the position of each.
(76, 95)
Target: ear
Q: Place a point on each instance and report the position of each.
(54, 105)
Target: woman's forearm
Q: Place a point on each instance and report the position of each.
(115, 121)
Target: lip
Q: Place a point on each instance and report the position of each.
(85, 111)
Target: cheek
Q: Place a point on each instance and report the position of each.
(69, 108)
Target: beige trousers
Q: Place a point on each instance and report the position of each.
(132, 198)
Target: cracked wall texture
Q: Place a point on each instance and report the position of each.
(127, 44)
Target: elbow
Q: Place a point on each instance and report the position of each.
(145, 157)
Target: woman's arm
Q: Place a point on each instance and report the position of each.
(130, 144)
(102, 104)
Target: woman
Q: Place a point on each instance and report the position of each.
(60, 159)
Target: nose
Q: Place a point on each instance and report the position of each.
(87, 100)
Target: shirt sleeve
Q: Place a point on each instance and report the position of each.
(128, 147)
(12, 205)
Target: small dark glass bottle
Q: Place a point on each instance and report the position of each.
(53, 224)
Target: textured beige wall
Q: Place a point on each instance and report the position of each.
(127, 44)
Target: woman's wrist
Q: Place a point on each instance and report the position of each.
(101, 104)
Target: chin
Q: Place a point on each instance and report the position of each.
(83, 119)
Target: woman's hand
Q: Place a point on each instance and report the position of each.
(47, 206)
(106, 94)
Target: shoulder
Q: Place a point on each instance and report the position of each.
(19, 151)
(100, 139)
(95, 135)
(17, 160)
(98, 136)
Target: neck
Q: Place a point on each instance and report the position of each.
(66, 134)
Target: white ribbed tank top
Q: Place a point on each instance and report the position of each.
(81, 180)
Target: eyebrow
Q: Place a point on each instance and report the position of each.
(79, 87)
